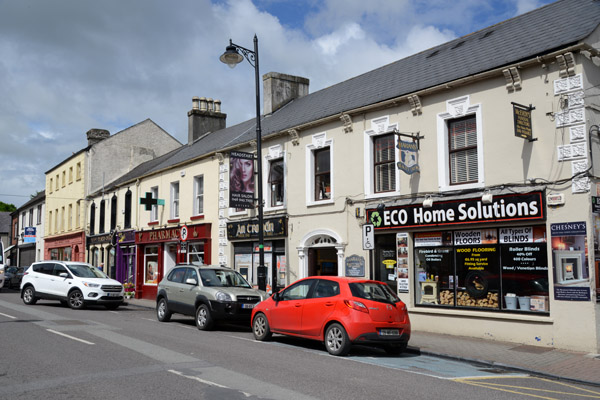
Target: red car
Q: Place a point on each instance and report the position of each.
(338, 311)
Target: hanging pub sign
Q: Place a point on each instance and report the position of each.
(241, 180)
(522, 118)
(408, 157)
(506, 207)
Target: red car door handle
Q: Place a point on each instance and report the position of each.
(297, 305)
(329, 304)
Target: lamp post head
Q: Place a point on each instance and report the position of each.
(231, 56)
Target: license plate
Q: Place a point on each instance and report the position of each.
(113, 294)
(389, 332)
(248, 306)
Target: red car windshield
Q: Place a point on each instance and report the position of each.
(373, 291)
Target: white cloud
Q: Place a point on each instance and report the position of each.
(329, 44)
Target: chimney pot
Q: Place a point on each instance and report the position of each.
(210, 104)
(202, 103)
(218, 106)
(195, 103)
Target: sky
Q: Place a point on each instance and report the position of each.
(67, 66)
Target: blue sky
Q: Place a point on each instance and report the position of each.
(67, 66)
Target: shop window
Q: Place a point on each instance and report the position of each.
(174, 200)
(276, 182)
(502, 269)
(151, 265)
(199, 195)
(196, 253)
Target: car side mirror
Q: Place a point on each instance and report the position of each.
(191, 281)
(63, 275)
(276, 297)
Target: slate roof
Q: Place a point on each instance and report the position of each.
(5, 221)
(552, 27)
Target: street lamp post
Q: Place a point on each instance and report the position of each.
(232, 57)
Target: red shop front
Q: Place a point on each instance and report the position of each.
(159, 250)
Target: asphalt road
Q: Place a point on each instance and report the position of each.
(52, 352)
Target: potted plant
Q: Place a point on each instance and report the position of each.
(129, 290)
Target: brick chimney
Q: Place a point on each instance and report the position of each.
(205, 116)
(96, 135)
(280, 89)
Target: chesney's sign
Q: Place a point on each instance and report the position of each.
(507, 207)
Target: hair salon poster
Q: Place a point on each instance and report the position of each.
(241, 180)
(570, 261)
(402, 265)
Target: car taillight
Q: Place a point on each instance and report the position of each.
(356, 305)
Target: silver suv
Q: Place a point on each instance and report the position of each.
(74, 283)
(210, 293)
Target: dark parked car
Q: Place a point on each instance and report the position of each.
(13, 277)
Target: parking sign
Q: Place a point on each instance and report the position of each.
(368, 237)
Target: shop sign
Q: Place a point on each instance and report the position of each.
(125, 236)
(170, 234)
(272, 227)
(595, 204)
(99, 239)
(522, 119)
(241, 180)
(355, 266)
(508, 207)
(479, 236)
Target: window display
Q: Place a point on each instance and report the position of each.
(491, 269)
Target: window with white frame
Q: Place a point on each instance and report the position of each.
(174, 200)
(154, 211)
(460, 145)
(319, 160)
(31, 217)
(39, 214)
(381, 158)
(462, 139)
(384, 163)
(199, 195)
(276, 182)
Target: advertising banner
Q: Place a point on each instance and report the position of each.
(241, 180)
(29, 235)
(402, 261)
(570, 261)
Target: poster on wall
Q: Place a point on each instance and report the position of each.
(402, 261)
(427, 239)
(241, 180)
(570, 261)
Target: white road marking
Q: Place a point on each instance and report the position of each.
(210, 383)
(8, 316)
(70, 337)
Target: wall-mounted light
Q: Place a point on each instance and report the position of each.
(487, 197)
(428, 202)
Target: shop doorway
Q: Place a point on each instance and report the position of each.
(170, 258)
(322, 262)
(385, 260)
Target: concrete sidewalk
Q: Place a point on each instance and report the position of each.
(543, 361)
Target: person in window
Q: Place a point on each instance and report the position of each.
(242, 175)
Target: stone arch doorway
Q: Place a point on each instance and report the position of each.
(321, 252)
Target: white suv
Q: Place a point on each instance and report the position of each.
(73, 283)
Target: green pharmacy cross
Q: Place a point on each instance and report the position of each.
(148, 201)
